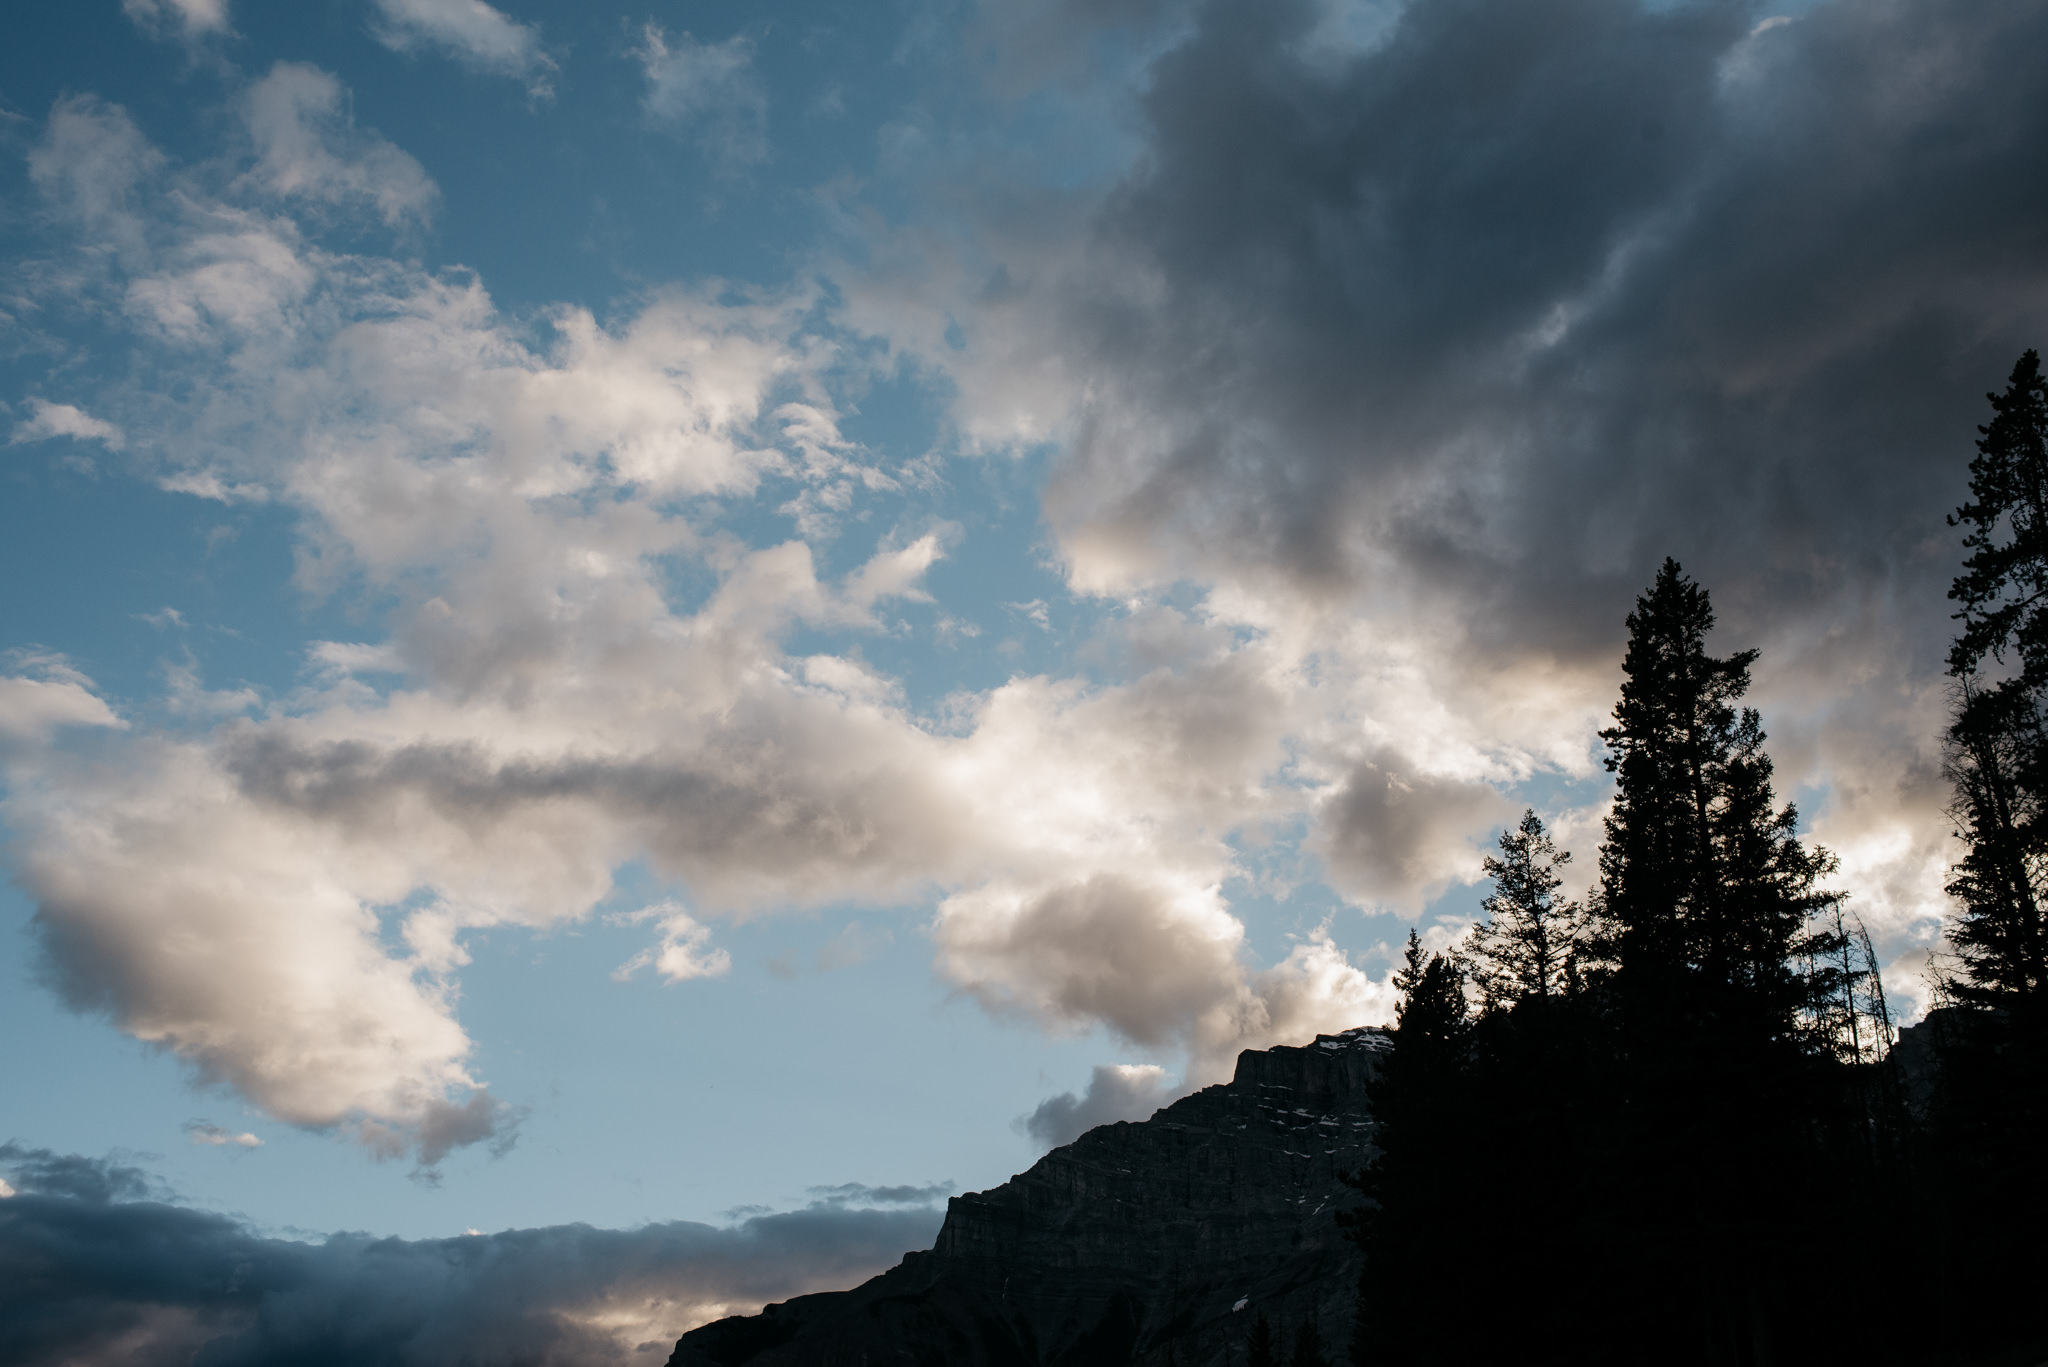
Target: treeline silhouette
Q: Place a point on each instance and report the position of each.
(1670, 1125)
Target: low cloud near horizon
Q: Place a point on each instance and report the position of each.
(106, 1268)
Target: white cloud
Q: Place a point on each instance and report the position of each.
(243, 284)
(210, 1135)
(5, 1190)
(189, 18)
(708, 88)
(471, 31)
(1316, 990)
(684, 950)
(545, 706)
(30, 709)
(48, 420)
(92, 163)
(1036, 612)
(186, 694)
(277, 985)
(208, 484)
(355, 657)
(1146, 959)
(568, 715)
(308, 147)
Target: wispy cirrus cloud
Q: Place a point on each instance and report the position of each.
(209, 1135)
(47, 420)
(475, 34)
(683, 952)
(308, 148)
(183, 18)
(708, 91)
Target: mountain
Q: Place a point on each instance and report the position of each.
(1143, 1243)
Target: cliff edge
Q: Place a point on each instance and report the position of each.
(1140, 1243)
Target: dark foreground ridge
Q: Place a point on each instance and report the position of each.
(1139, 1243)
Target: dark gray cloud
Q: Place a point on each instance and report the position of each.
(95, 1181)
(1535, 292)
(1392, 833)
(1147, 960)
(96, 1268)
(1419, 347)
(717, 815)
(861, 1194)
(1115, 1092)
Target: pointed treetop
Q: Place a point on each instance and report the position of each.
(1999, 591)
(1524, 949)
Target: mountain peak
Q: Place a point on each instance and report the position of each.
(1138, 1243)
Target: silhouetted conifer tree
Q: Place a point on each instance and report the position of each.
(1414, 1232)
(1705, 891)
(1524, 949)
(1705, 907)
(1998, 756)
(1527, 1062)
(1992, 1092)
(1656, 1137)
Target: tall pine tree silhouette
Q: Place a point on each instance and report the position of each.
(1705, 903)
(1705, 891)
(1414, 1232)
(1992, 1098)
(1999, 753)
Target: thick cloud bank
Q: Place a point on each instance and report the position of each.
(1525, 292)
(96, 1267)
(1441, 334)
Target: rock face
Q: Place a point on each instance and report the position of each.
(1139, 1243)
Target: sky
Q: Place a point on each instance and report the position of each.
(646, 638)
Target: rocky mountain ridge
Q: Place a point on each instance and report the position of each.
(1140, 1243)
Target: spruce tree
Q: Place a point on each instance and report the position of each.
(1705, 906)
(1524, 949)
(1992, 1093)
(1998, 751)
(1414, 1232)
(1705, 890)
(1529, 1058)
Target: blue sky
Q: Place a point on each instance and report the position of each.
(639, 614)
(829, 1051)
